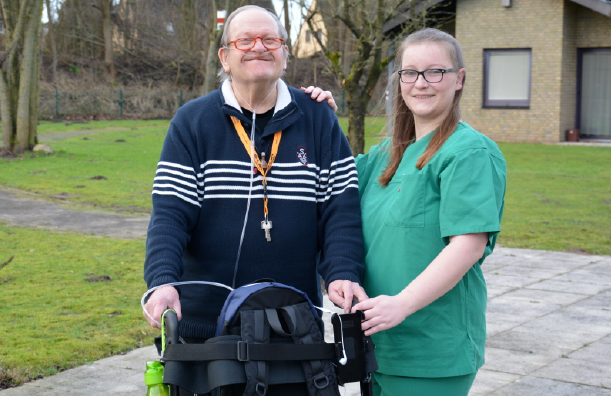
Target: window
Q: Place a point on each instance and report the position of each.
(308, 36)
(507, 78)
(319, 34)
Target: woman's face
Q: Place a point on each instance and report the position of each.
(430, 102)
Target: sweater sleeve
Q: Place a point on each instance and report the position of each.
(339, 212)
(177, 193)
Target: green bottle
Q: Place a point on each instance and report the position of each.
(153, 378)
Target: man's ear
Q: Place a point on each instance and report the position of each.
(286, 58)
(224, 61)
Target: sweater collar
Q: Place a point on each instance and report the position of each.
(282, 101)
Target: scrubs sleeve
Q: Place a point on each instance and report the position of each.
(472, 188)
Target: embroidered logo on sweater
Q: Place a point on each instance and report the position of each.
(302, 155)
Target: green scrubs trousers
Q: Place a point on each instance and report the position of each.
(391, 385)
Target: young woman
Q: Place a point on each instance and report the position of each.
(432, 201)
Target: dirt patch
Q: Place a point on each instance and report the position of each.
(98, 177)
(63, 196)
(101, 278)
(581, 251)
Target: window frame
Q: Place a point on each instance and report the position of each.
(505, 103)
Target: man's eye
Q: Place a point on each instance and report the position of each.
(410, 73)
(434, 72)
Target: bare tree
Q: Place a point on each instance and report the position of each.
(364, 24)
(19, 91)
(52, 40)
(109, 66)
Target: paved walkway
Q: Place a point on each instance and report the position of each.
(549, 320)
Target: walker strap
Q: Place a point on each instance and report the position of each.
(244, 352)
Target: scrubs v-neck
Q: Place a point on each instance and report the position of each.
(408, 223)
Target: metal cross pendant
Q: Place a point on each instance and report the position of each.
(267, 226)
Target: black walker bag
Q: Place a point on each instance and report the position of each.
(269, 341)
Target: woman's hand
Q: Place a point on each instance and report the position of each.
(448, 268)
(319, 95)
(381, 313)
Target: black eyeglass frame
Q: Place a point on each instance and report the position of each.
(421, 73)
(254, 42)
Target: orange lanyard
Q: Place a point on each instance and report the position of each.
(264, 169)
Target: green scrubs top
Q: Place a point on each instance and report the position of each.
(406, 225)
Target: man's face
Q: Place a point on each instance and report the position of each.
(257, 64)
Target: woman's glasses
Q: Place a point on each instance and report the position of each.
(409, 76)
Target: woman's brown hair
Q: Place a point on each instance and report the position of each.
(404, 128)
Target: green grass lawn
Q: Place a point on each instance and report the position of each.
(67, 299)
(113, 169)
(558, 198)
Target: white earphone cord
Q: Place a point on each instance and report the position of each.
(252, 150)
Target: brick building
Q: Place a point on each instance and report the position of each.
(536, 68)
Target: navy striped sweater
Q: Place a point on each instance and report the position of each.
(200, 196)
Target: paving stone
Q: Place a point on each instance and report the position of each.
(507, 280)
(516, 362)
(544, 296)
(571, 320)
(600, 301)
(567, 286)
(577, 371)
(527, 253)
(497, 323)
(554, 263)
(545, 387)
(584, 276)
(501, 259)
(599, 351)
(530, 272)
(497, 290)
(80, 381)
(539, 343)
(487, 381)
(522, 309)
(602, 267)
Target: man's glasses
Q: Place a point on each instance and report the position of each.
(246, 44)
(409, 76)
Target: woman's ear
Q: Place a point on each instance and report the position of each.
(460, 77)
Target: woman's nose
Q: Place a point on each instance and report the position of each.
(420, 81)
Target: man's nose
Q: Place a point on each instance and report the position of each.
(259, 47)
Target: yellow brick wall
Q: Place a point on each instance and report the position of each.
(568, 99)
(593, 29)
(535, 24)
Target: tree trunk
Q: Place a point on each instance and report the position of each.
(26, 72)
(287, 24)
(52, 40)
(35, 85)
(213, 49)
(109, 66)
(19, 80)
(356, 123)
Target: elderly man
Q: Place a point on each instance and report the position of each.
(293, 217)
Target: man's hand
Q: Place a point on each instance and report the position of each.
(166, 297)
(320, 95)
(342, 291)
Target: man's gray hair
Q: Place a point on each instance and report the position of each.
(225, 37)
